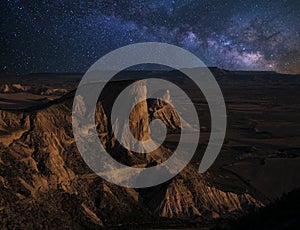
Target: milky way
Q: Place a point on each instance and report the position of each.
(69, 36)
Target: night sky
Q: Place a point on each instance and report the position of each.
(69, 36)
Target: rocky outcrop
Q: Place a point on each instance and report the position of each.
(54, 91)
(195, 198)
(13, 88)
(45, 183)
(17, 88)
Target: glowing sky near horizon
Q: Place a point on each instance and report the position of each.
(69, 36)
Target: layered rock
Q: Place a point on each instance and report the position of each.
(13, 88)
(43, 177)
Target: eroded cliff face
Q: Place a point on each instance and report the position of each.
(11, 88)
(44, 181)
(18, 88)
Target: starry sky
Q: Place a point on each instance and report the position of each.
(69, 36)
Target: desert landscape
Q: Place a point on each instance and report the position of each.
(45, 182)
(75, 155)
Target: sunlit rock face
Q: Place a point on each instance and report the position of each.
(138, 119)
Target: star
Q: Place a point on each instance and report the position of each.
(68, 36)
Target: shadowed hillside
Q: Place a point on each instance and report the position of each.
(283, 213)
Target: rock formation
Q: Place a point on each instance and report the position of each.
(44, 181)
